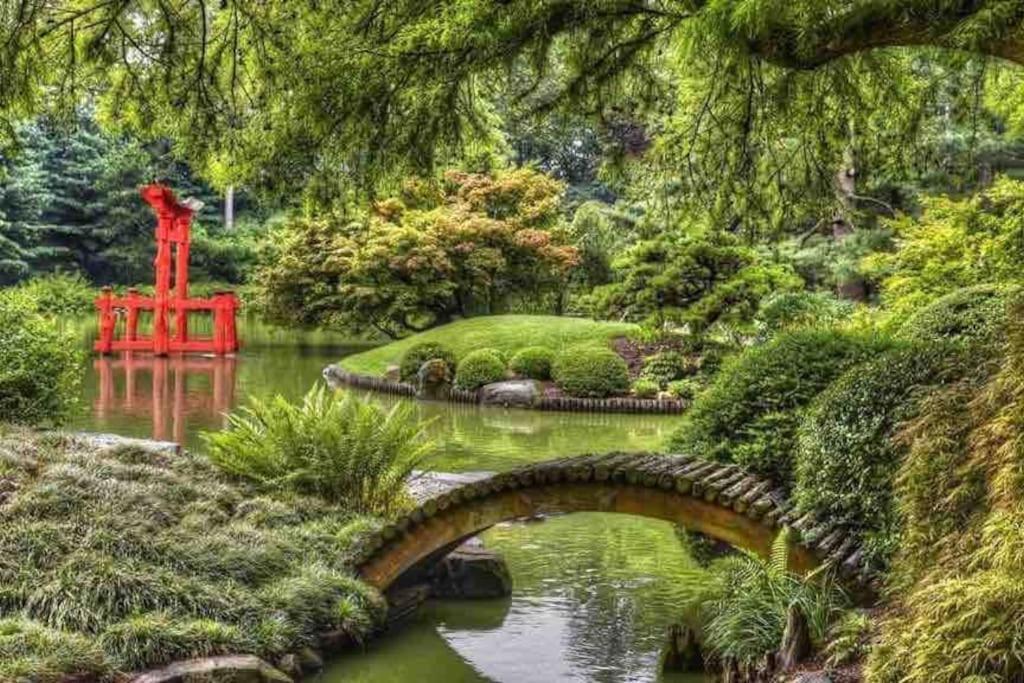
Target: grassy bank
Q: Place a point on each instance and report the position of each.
(114, 559)
(506, 333)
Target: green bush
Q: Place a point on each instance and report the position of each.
(591, 371)
(847, 459)
(419, 354)
(665, 367)
(533, 362)
(787, 311)
(645, 388)
(343, 448)
(478, 368)
(60, 295)
(973, 314)
(685, 389)
(40, 366)
(750, 413)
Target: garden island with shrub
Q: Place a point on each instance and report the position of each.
(799, 224)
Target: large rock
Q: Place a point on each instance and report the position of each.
(471, 572)
(434, 381)
(515, 393)
(226, 669)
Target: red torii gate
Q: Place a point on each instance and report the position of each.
(174, 222)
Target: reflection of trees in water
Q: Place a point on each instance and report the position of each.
(618, 577)
(493, 438)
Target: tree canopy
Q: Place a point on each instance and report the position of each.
(278, 93)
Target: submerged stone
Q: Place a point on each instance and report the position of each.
(471, 572)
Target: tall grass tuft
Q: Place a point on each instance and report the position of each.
(345, 449)
(742, 602)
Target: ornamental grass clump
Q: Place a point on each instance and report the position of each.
(348, 450)
(742, 601)
(115, 559)
(40, 365)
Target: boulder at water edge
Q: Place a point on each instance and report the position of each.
(434, 381)
(471, 572)
(516, 393)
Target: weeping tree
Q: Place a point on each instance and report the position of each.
(796, 97)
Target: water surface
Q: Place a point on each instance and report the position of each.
(593, 595)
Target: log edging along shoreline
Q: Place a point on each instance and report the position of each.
(646, 406)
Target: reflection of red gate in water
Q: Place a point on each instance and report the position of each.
(168, 395)
(174, 222)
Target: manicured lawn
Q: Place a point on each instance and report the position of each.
(507, 333)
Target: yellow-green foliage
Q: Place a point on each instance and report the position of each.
(955, 244)
(115, 558)
(742, 601)
(958, 582)
(40, 364)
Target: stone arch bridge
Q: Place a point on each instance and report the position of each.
(720, 500)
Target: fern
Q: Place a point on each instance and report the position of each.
(342, 448)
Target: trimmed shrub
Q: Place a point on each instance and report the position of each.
(478, 368)
(750, 413)
(972, 314)
(645, 388)
(665, 367)
(419, 354)
(533, 362)
(40, 366)
(590, 371)
(847, 459)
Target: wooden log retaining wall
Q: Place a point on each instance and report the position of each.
(338, 375)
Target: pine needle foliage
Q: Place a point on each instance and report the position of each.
(343, 448)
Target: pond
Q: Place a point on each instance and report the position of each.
(593, 594)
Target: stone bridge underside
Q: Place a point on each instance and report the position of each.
(720, 500)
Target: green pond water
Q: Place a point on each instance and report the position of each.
(594, 594)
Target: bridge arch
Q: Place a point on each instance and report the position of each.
(720, 500)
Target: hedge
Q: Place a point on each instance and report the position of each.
(750, 413)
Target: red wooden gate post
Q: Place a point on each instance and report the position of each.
(105, 303)
(131, 332)
(182, 237)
